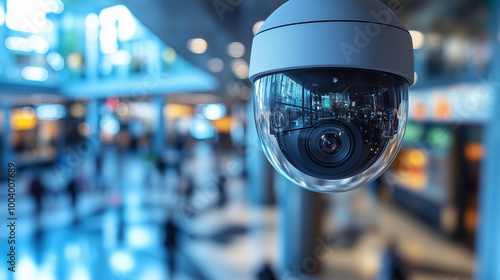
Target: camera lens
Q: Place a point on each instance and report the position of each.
(330, 144)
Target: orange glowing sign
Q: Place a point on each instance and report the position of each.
(23, 119)
(411, 169)
(442, 109)
(223, 125)
(419, 109)
(175, 111)
(474, 151)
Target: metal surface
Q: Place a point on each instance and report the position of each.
(364, 37)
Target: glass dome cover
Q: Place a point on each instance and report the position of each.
(331, 129)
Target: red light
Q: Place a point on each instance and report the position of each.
(112, 103)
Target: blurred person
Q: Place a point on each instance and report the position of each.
(37, 190)
(221, 187)
(186, 186)
(180, 152)
(171, 246)
(173, 230)
(180, 142)
(121, 223)
(187, 192)
(266, 273)
(73, 194)
(395, 268)
(98, 170)
(177, 165)
(77, 184)
(134, 144)
(161, 166)
(137, 131)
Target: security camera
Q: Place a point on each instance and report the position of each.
(331, 82)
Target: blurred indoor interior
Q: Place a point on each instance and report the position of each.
(131, 128)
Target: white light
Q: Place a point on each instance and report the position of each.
(32, 73)
(92, 21)
(216, 65)
(214, 111)
(201, 129)
(52, 6)
(240, 68)
(415, 77)
(39, 44)
(139, 237)
(109, 32)
(26, 16)
(122, 110)
(2, 16)
(236, 49)
(18, 44)
(49, 26)
(114, 14)
(92, 27)
(127, 26)
(26, 269)
(122, 262)
(418, 39)
(110, 125)
(119, 19)
(51, 112)
(80, 273)
(34, 43)
(197, 45)
(256, 26)
(120, 58)
(142, 110)
(108, 40)
(56, 61)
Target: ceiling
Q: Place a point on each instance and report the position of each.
(176, 22)
(221, 22)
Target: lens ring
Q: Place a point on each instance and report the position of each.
(330, 144)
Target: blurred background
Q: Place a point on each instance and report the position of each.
(131, 129)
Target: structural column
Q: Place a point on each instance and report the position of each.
(92, 120)
(488, 242)
(159, 132)
(300, 214)
(259, 170)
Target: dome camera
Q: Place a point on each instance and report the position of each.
(331, 82)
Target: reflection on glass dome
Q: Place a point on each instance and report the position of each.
(330, 125)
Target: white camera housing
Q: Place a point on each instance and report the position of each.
(331, 90)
